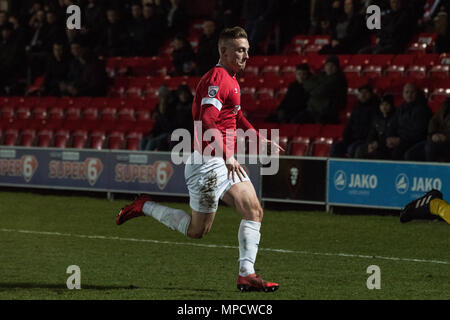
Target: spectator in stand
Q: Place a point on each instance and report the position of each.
(207, 53)
(94, 18)
(357, 129)
(87, 75)
(295, 20)
(138, 32)
(53, 31)
(56, 71)
(114, 40)
(155, 27)
(327, 92)
(350, 33)
(442, 43)
(20, 33)
(182, 117)
(295, 101)
(259, 17)
(227, 13)
(396, 32)
(437, 145)
(409, 125)
(177, 18)
(3, 18)
(37, 25)
(12, 57)
(375, 146)
(183, 56)
(324, 27)
(158, 138)
(324, 12)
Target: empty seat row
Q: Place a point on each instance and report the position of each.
(24, 112)
(64, 138)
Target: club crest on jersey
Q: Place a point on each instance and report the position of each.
(212, 91)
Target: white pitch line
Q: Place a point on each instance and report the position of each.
(204, 245)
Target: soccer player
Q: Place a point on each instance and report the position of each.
(212, 172)
(429, 206)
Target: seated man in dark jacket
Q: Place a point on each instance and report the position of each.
(410, 123)
(396, 30)
(295, 100)
(437, 145)
(357, 129)
(327, 94)
(56, 71)
(375, 146)
(350, 33)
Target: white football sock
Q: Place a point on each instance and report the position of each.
(175, 219)
(249, 237)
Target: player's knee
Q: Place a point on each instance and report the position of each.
(198, 233)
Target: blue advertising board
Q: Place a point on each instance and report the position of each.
(98, 170)
(383, 184)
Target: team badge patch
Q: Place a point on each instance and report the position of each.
(212, 91)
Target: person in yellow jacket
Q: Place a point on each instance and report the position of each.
(429, 206)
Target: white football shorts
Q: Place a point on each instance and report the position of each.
(207, 182)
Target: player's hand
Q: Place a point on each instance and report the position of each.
(234, 167)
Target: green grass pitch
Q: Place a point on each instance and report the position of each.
(312, 255)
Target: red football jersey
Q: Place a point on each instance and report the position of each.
(220, 90)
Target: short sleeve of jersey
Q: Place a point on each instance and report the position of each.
(214, 90)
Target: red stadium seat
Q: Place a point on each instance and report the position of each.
(62, 137)
(251, 70)
(126, 114)
(90, 113)
(27, 137)
(23, 112)
(352, 70)
(97, 139)
(440, 71)
(333, 131)
(321, 147)
(72, 113)
(265, 93)
(418, 72)
(44, 138)
(427, 60)
(394, 71)
(289, 129)
(79, 138)
(382, 60)
(417, 48)
(309, 130)
(11, 136)
(143, 114)
(372, 71)
(300, 146)
(109, 113)
(360, 59)
(116, 140)
(133, 140)
(7, 113)
(40, 113)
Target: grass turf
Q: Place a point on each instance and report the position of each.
(324, 256)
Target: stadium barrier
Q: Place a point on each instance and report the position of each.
(97, 170)
(308, 180)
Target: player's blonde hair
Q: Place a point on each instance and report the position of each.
(231, 34)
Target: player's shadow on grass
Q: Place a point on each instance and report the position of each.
(28, 285)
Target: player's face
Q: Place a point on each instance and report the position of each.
(236, 55)
(409, 93)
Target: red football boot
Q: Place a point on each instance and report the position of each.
(254, 282)
(132, 210)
